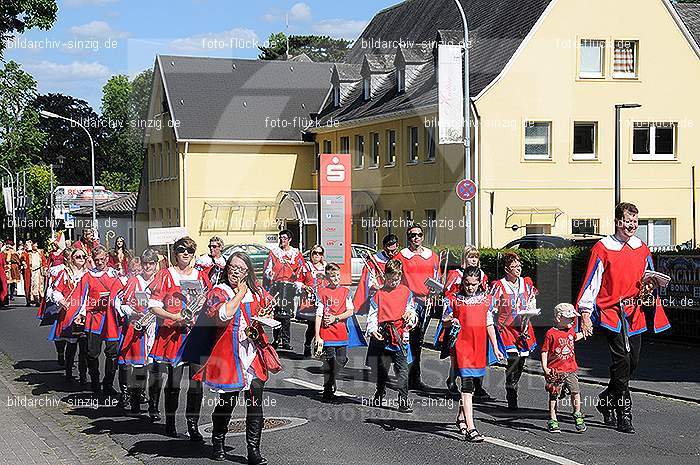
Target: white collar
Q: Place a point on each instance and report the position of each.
(279, 253)
(142, 282)
(194, 274)
(510, 288)
(425, 254)
(613, 243)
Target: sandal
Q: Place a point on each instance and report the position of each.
(461, 426)
(473, 436)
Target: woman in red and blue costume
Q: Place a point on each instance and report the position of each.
(314, 280)
(168, 302)
(514, 294)
(235, 363)
(475, 346)
(134, 346)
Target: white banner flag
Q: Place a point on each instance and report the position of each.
(450, 94)
(7, 196)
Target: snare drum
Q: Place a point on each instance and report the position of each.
(286, 293)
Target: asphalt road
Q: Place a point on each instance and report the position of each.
(353, 432)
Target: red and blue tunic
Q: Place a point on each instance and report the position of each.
(66, 286)
(134, 346)
(167, 294)
(509, 300)
(235, 359)
(389, 306)
(46, 301)
(471, 349)
(333, 302)
(417, 268)
(282, 266)
(368, 280)
(613, 276)
(100, 316)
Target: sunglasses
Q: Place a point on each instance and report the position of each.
(418, 234)
(316, 253)
(183, 249)
(213, 246)
(80, 256)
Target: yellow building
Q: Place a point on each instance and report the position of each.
(226, 137)
(545, 79)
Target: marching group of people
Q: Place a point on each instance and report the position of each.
(152, 319)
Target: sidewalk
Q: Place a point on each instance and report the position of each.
(37, 429)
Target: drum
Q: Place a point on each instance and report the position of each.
(285, 292)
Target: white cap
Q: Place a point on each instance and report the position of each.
(565, 310)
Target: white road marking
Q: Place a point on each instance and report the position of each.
(530, 451)
(307, 384)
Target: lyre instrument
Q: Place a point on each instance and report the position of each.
(437, 289)
(253, 330)
(194, 295)
(373, 267)
(147, 318)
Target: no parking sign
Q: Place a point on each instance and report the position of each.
(466, 190)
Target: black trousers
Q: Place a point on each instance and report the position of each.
(334, 358)
(174, 376)
(133, 377)
(70, 351)
(227, 401)
(310, 333)
(384, 360)
(281, 334)
(514, 370)
(94, 347)
(622, 363)
(415, 341)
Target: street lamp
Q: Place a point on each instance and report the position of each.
(12, 207)
(48, 114)
(468, 234)
(617, 147)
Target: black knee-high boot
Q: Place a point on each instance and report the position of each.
(220, 418)
(606, 407)
(192, 409)
(254, 423)
(154, 401)
(124, 396)
(71, 349)
(172, 397)
(60, 352)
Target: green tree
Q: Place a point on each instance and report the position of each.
(318, 48)
(16, 16)
(20, 138)
(68, 143)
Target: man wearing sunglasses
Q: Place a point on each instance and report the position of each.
(372, 278)
(284, 270)
(419, 263)
(100, 320)
(212, 263)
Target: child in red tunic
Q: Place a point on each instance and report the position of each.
(334, 306)
(392, 314)
(472, 311)
(559, 365)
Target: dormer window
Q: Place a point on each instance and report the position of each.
(366, 87)
(336, 96)
(400, 80)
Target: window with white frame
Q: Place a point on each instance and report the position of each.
(400, 80)
(585, 140)
(412, 144)
(430, 143)
(625, 59)
(359, 151)
(345, 144)
(336, 96)
(656, 232)
(537, 140)
(367, 88)
(592, 59)
(327, 146)
(390, 147)
(654, 141)
(374, 149)
(408, 217)
(389, 221)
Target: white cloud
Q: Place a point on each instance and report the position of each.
(88, 2)
(300, 12)
(75, 71)
(97, 30)
(345, 28)
(236, 38)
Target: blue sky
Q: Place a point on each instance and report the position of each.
(95, 39)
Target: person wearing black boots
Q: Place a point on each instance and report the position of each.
(513, 295)
(167, 302)
(137, 338)
(617, 283)
(236, 362)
